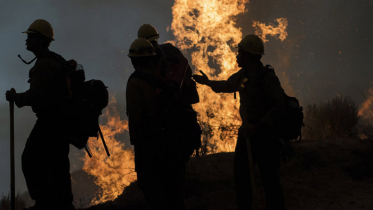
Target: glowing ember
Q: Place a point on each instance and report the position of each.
(208, 28)
(116, 172)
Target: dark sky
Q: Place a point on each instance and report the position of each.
(328, 51)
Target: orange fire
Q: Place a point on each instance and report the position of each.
(264, 30)
(208, 28)
(366, 110)
(116, 172)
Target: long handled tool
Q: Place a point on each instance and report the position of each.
(103, 141)
(12, 173)
(249, 155)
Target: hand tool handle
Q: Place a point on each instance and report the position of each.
(12, 171)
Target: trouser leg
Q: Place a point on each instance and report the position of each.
(268, 164)
(59, 179)
(46, 166)
(33, 168)
(242, 175)
(160, 182)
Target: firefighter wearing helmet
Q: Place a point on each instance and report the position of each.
(148, 32)
(159, 157)
(164, 53)
(261, 110)
(45, 161)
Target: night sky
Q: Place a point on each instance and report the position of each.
(328, 51)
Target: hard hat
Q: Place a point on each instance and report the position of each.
(42, 27)
(141, 48)
(252, 44)
(148, 32)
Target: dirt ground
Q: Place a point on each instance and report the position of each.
(333, 175)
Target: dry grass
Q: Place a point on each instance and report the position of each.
(337, 118)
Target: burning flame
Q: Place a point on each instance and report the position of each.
(116, 172)
(263, 30)
(366, 110)
(208, 29)
(365, 113)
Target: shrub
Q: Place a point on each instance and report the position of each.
(332, 119)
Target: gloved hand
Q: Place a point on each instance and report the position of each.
(202, 79)
(10, 94)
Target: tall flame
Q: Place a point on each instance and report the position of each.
(116, 172)
(208, 28)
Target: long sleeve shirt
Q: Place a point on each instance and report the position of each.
(48, 87)
(261, 95)
(141, 109)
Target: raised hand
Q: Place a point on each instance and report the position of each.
(202, 79)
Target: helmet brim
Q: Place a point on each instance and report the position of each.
(239, 47)
(34, 32)
(30, 32)
(153, 38)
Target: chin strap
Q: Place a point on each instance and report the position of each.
(25, 61)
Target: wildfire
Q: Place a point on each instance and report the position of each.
(116, 172)
(208, 28)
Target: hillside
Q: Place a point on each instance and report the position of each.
(333, 174)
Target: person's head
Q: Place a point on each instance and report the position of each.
(39, 35)
(148, 32)
(141, 52)
(250, 50)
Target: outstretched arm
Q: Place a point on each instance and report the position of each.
(224, 86)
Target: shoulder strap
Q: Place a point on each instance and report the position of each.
(66, 65)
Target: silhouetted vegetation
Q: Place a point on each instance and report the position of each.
(226, 136)
(337, 118)
(5, 203)
(330, 174)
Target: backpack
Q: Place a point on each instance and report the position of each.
(291, 126)
(175, 118)
(172, 65)
(88, 100)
